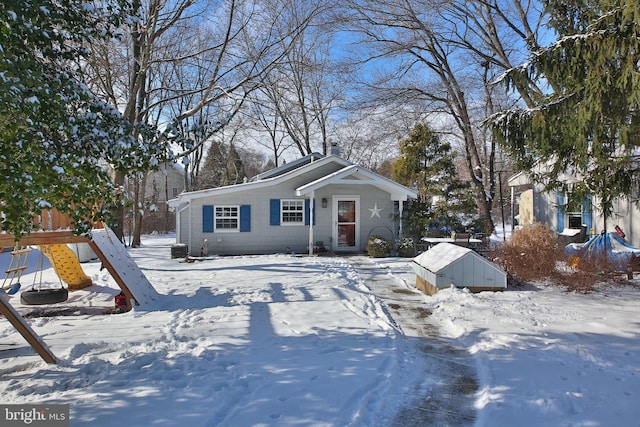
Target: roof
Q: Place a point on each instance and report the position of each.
(288, 167)
(356, 175)
(262, 183)
(349, 174)
(521, 178)
(441, 255)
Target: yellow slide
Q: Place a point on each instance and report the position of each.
(66, 265)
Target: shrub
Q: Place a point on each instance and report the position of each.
(377, 247)
(532, 253)
(406, 248)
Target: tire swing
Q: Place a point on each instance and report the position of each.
(39, 295)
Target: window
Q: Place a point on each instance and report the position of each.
(175, 192)
(574, 210)
(227, 218)
(292, 212)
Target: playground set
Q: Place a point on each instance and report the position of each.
(136, 289)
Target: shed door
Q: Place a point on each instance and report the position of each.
(346, 220)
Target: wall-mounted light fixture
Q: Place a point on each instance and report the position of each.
(324, 202)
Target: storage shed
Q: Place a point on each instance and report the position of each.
(446, 264)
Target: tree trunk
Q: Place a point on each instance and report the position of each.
(138, 211)
(119, 213)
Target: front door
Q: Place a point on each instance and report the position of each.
(346, 220)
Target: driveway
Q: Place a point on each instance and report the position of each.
(446, 395)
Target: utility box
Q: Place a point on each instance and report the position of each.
(179, 250)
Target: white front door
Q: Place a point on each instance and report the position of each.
(346, 223)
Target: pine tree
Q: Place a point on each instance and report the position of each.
(213, 172)
(235, 167)
(427, 163)
(588, 122)
(56, 137)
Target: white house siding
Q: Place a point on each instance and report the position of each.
(368, 196)
(259, 203)
(183, 216)
(263, 237)
(626, 215)
(545, 209)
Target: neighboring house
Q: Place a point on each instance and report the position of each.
(317, 201)
(164, 184)
(161, 185)
(567, 213)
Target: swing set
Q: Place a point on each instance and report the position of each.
(19, 256)
(135, 287)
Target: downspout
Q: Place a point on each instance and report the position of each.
(311, 209)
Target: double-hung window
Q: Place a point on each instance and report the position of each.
(292, 212)
(227, 218)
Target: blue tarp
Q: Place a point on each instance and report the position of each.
(618, 251)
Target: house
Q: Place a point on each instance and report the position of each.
(570, 214)
(161, 185)
(165, 183)
(321, 202)
(447, 264)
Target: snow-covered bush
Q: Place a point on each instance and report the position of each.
(378, 247)
(406, 248)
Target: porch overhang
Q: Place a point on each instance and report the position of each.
(354, 175)
(519, 179)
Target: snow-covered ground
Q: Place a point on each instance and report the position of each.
(282, 340)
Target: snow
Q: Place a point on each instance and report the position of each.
(285, 340)
(570, 232)
(446, 254)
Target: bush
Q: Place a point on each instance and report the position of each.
(406, 248)
(377, 247)
(532, 253)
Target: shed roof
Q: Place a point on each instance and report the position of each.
(441, 256)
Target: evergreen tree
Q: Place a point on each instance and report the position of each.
(55, 135)
(235, 167)
(427, 163)
(588, 122)
(222, 166)
(213, 172)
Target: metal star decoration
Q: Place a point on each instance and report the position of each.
(375, 211)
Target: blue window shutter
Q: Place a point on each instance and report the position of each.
(245, 218)
(587, 213)
(307, 204)
(561, 209)
(207, 219)
(274, 212)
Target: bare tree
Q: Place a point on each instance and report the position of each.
(299, 96)
(445, 54)
(193, 64)
(263, 126)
